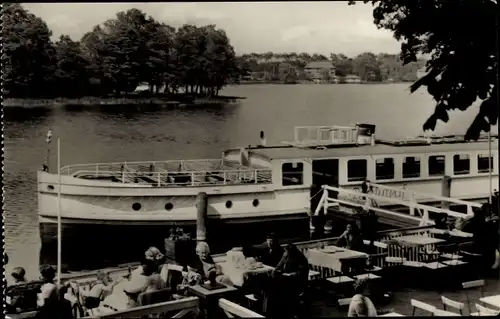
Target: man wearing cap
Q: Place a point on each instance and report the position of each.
(272, 251)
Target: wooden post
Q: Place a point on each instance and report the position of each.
(446, 191)
(202, 216)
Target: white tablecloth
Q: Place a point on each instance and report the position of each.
(239, 275)
(317, 257)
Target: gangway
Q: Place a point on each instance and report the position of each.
(347, 201)
(413, 196)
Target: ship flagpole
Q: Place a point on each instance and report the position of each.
(59, 211)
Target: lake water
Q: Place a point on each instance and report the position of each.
(105, 134)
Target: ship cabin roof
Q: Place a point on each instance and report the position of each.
(292, 152)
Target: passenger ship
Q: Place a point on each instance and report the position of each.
(264, 183)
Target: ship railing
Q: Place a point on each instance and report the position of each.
(172, 165)
(413, 196)
(182, 178)
(347, 197)
(324, 135)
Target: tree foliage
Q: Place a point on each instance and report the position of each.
(27, 59)
(461, 38)
(368, 66)
(114, 57)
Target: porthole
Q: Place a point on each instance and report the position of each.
(229, 204)
(169, 206)
(50, 187)
(136, 206)
(255, 203)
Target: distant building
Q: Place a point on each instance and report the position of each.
(286, 69)
(352, 78)
(317, 70)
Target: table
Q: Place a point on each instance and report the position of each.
(419, 240)
(239, 275)
(454, 232)
(392, 314)
(332, 258)
(492, 301)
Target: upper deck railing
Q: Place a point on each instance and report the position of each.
(324, 135)
(172, 173)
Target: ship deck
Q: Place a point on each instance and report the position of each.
(176, 173)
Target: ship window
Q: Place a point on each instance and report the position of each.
(483, 163)
(169, 206)
(461, 164)
(229, 204)
(384, 168)
(136, 206)
(436, 165)
(356, 170)
(50, 187)
(411, 167)
(293, 174)
(255, 203)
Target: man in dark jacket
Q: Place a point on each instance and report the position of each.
(271, 251)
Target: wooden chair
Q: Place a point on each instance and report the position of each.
(400, 252)
(422, 306)
(473, 284)
(314, 275)
(453, 304)
(344, 302)
(483, 311)
(444, 313)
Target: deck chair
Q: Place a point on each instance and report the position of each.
(483, 311)
(447, 302)
(344, 302)
(422, 306)
(444, 313)
(473, 284)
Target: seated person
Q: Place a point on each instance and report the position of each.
(271, 251)
(48, 290)
(351, 239)
(16, 301)
(203, 263)
(149, 280)
(153, 254)
(99, 290)
(18, 274)
(361, 305)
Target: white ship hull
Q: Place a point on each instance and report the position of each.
(84, 201)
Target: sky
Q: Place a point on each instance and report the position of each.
(313, 27)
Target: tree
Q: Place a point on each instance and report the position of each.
(27, 60)
(72, 68)
(366, 66)
(461, 38)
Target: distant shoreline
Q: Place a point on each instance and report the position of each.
(110, 101)
(312, 83)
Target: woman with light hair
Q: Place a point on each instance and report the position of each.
(203, 265)
(152, 254)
